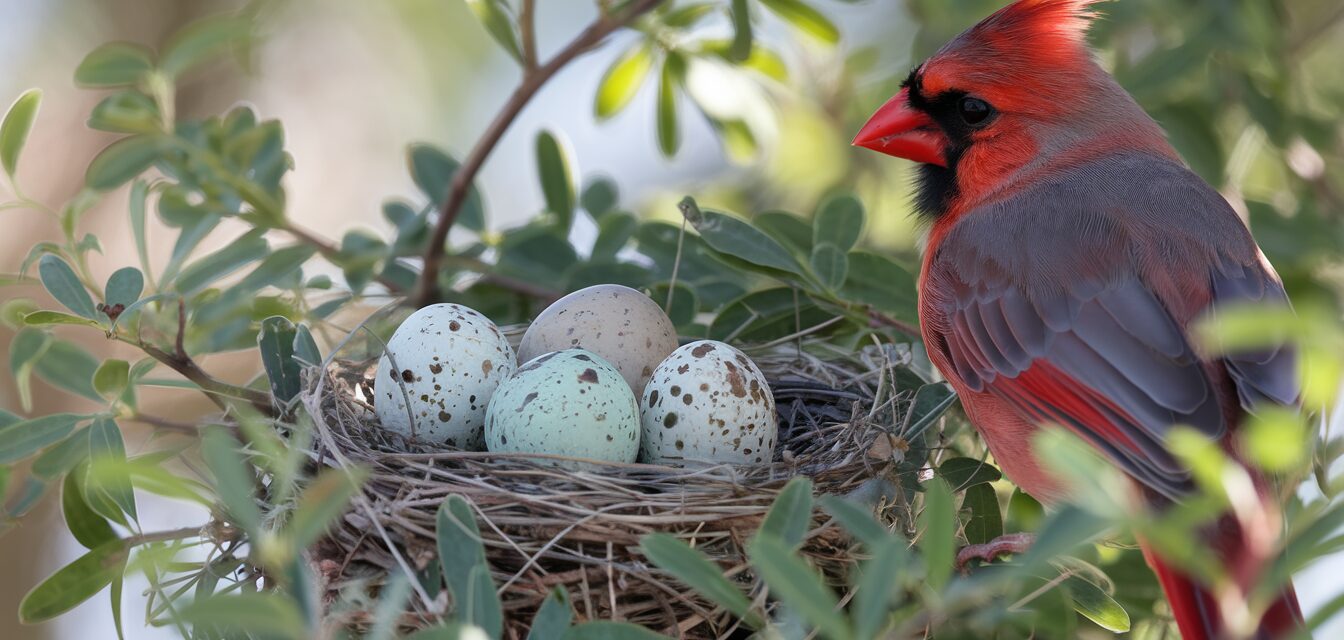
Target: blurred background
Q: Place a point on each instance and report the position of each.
(1250, 91)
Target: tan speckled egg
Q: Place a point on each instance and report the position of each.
(570, 403)
(707, 402)
(618, 323)
(446, 360)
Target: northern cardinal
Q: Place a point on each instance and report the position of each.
(1070, 251)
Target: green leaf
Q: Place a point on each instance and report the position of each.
(700, 574)
(937, 539)
(14, 128)
(13, 310)
(740, 49)
(553, 618)
(669, 132)
(276, 343)
(234, 481)
(839, 221)
(89, 528)
(985, 522)
(482, 606)
(877, 281)
(114, 486)
(804, 18)
(200, 40)
(685, 302)
(1024, 513)
(139, 194)
(931, 402)
(121, 161)
(599, 198)
(963, 473)
(63, 285)
(74, 583)
(114, 64)
(433, 171)
(790, 230)
(494, 15)
(1064, 530)
(23, 439)
(60, 458)
(607, 630)
(69, 367)
(766, 315)
(114, 595)
(45, 318)
(736, 237)
(305, 347)
(1096, 605)
(124, 286)
(321, 503)
(278, 265)
(459, 543)
(613, 234)
(790, 516)
(857, 519)
(126, 111)
(622, 81)
(111, 378)
(536, 253)
(198, 275)
(557, 182)
(260, 614)
(798, 586)
(830, 264)
(877, 591)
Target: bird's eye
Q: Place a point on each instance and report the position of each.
(974, 111)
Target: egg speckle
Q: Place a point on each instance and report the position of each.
(708, 402)
(617, 323)
(570, 403)
(448, 361)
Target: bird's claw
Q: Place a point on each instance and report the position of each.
(987, 552)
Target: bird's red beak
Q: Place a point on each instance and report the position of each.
(897, 129)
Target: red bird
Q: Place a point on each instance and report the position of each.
(1069, 253)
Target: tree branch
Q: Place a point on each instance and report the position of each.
(182, 363)
(527, 89)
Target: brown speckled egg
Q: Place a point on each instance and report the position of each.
(618, 323)
(570, 403)
(708, 402)
(437, 374)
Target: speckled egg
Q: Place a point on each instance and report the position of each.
(618, 323)
(437, 374)
(570, 403)
(708, 402)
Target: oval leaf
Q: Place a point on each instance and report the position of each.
(495, 17)
(23, 439)
(964, 473)
(124, 286)
(804, 18)
(114, 64)
(557, 183)
(89, 528)
(829, 264)
(700, 574)
(669, 131)
(790, 516)
(121, 161)
(839, 221)
(111, 378)
(15, 127)
(63, 285)
(622, 81)
(797, 585)
(74, 583)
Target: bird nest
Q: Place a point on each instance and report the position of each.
(545, 526)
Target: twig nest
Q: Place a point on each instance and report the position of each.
(437, 375)
(570, 403)
(708, 402)
(618, 323)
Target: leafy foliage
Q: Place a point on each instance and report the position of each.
(767, 277)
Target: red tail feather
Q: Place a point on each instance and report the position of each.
(1197, 614)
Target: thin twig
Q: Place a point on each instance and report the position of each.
(184, 365)
(878, 319)
(527, 89)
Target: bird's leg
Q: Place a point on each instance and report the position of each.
(1004, 544)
